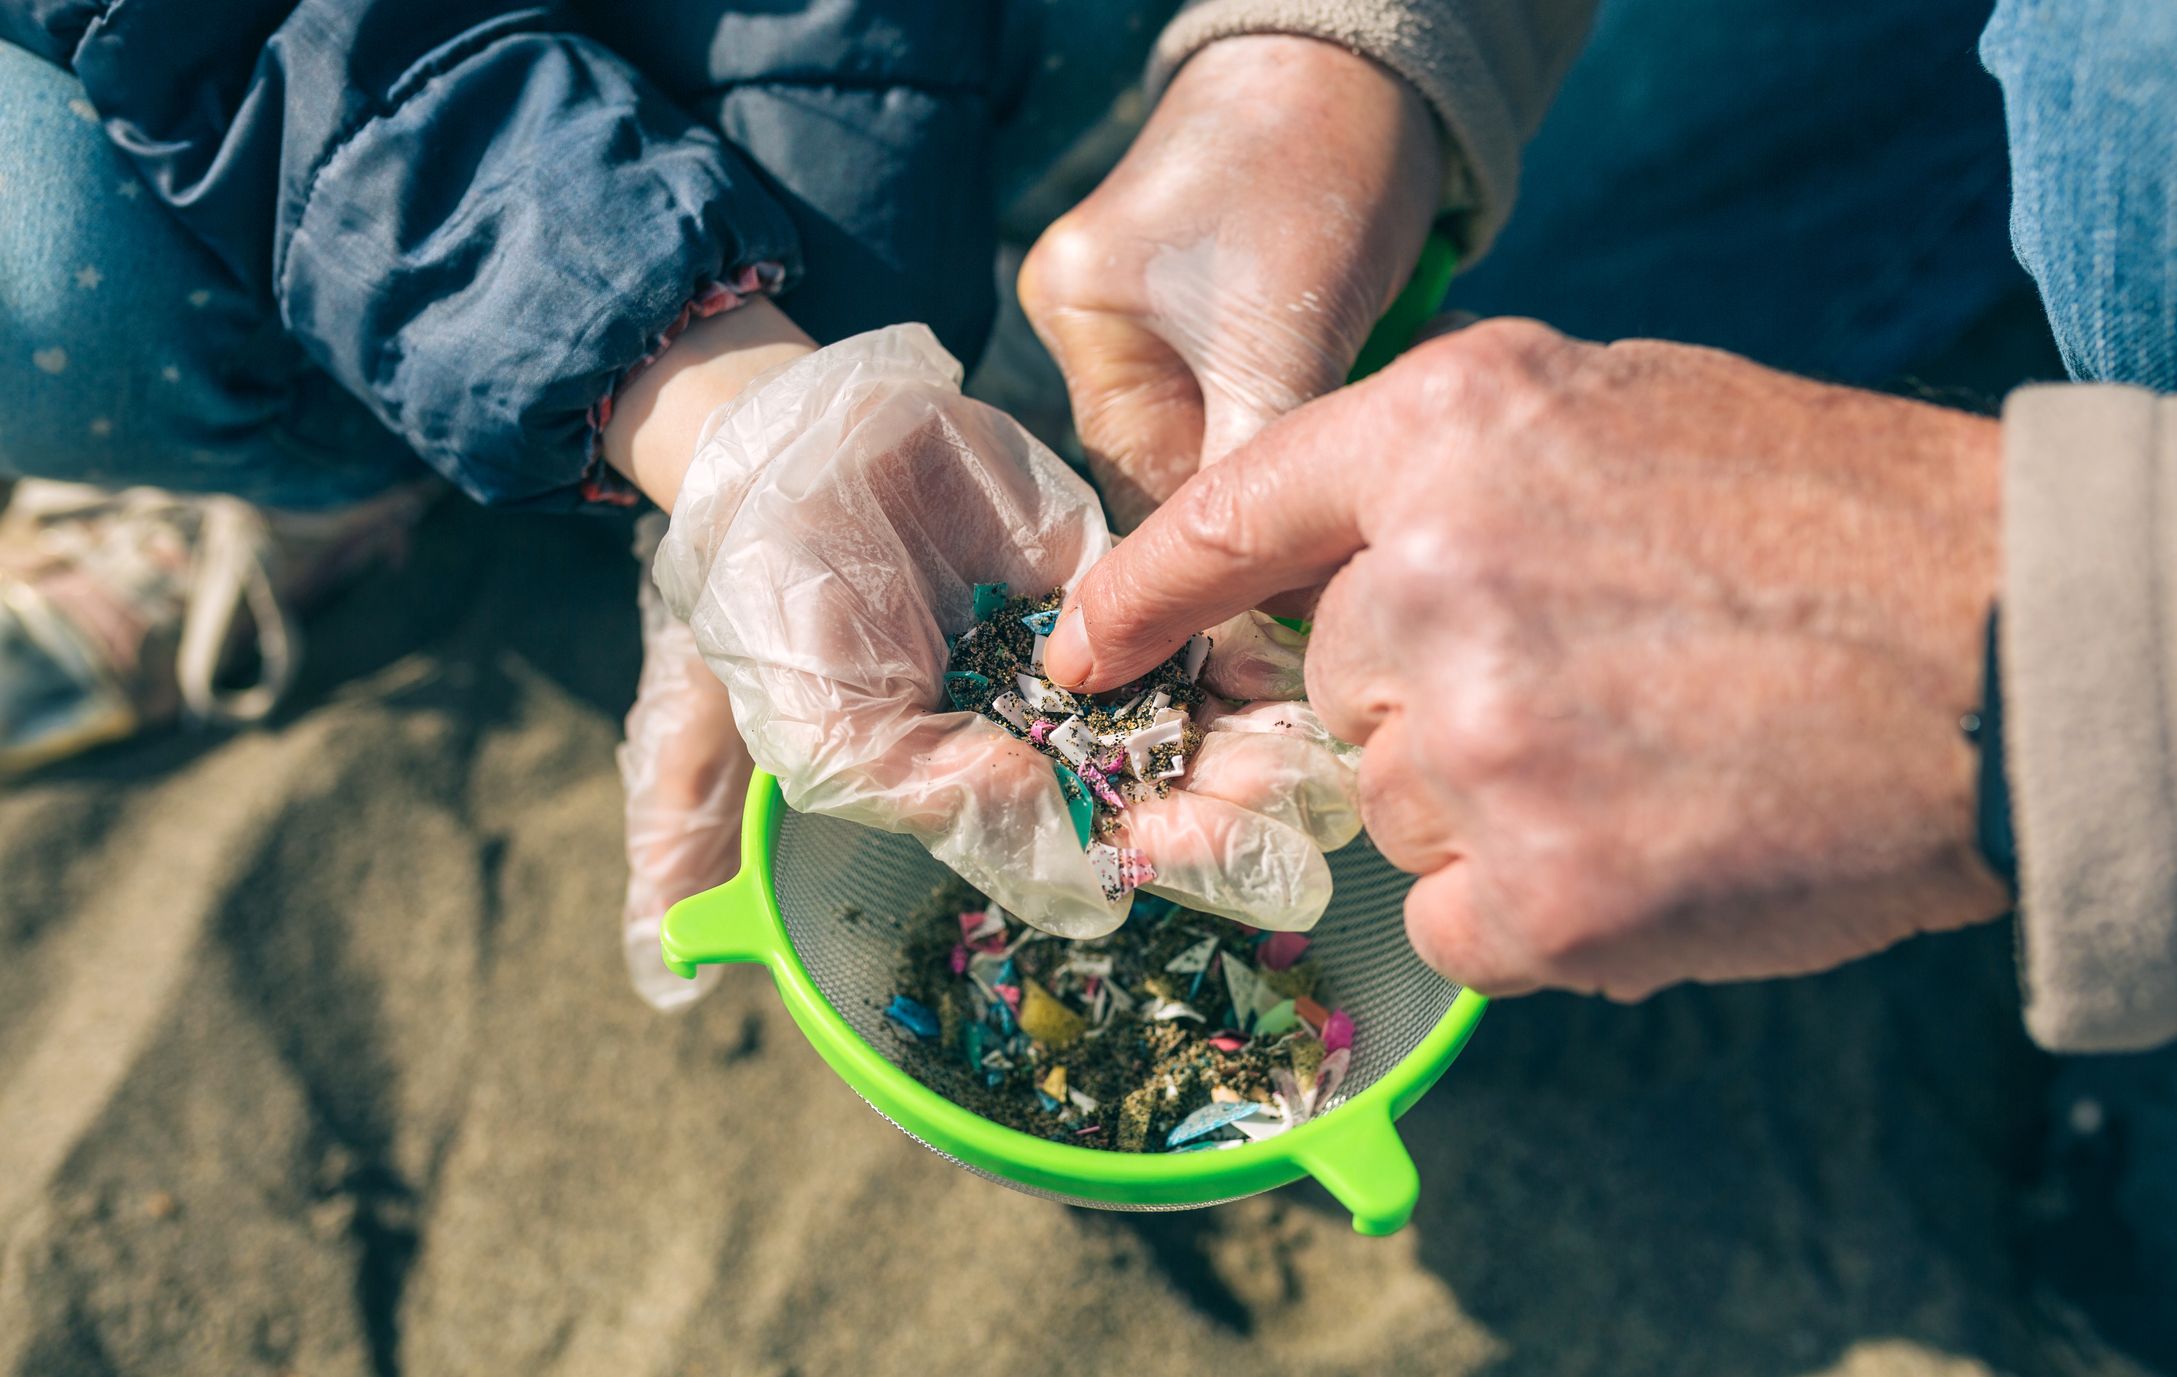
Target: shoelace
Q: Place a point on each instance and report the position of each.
(234, 550)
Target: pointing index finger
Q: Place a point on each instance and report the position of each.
(1281, 512)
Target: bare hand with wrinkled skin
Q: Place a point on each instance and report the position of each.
(1658, 656)
(1231, 266)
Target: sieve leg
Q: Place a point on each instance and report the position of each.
(732, 922)
(1360, 1160)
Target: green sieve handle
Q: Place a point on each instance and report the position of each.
(729, 923)
(1358, 1158)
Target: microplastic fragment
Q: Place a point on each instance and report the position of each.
(1208, 1119)
(1165, 1010)
(1280, 950)
(910, 1015)
(1277, 1020)
(1142, 744)
(1338, 1031)
(963, 685)
(1013, 708)
(1193, 958)
(1074, 741)
(1197, 652)
(989, 600)
(1041, 622)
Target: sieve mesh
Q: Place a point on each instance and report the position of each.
(823, 868)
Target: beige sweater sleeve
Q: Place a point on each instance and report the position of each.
(2089, 669)
(1487, 67)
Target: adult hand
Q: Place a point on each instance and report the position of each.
(826, 540)
(1232, 264)
(1659, 656)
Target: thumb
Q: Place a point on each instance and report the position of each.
(1280, 513)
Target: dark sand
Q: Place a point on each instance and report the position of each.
(316, 1058)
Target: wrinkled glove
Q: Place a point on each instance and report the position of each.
(828, 539)
(1231, 266)
(685, 773)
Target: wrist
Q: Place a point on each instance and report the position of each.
(657, 417)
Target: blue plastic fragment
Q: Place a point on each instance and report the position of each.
(1196, 987)
(993, 1078)
(1078, 802)
(1041, 622)
(1208, 1119)
(912, 1016)
(1050, 1106)
(989, 597)
(972, 1038)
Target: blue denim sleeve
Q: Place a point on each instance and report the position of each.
(472, 218)
(2090, 96)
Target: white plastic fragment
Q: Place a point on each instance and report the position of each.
(1160, 701)
(1197, 650)
(1168, 1009)
(1141, 746)
(1073, 740)
(1035, 654)
(1194, 958)
(1013, 708)
(1328, 1077)
(1246, 992)
(1085, 1103)
(1104, 860)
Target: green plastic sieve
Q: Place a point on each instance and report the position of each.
(800, 873)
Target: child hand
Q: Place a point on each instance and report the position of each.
(828, 537)
(685, 773)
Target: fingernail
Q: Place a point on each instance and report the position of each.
(1067, 660)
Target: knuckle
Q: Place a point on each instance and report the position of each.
(1215, 520)
(1489, 731)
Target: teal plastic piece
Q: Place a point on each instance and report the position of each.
(1079, 803)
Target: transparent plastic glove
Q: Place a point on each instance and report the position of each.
(1231, 266)
(685, 773)
(828, 538)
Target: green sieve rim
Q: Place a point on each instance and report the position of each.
(1354, 1150)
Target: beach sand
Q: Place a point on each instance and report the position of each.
(316, 1058)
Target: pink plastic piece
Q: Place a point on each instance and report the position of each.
(1011, 995)
(1280, 950)
(1338, 1031)
(959, 960)
(1227, 1042)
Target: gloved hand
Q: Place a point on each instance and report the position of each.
(826, 541)
(685, 773)
(1231, 266)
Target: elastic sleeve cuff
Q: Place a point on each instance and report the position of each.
(2089, 652)
(1487, 75)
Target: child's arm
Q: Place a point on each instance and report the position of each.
(659, 415)
(478, 218)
